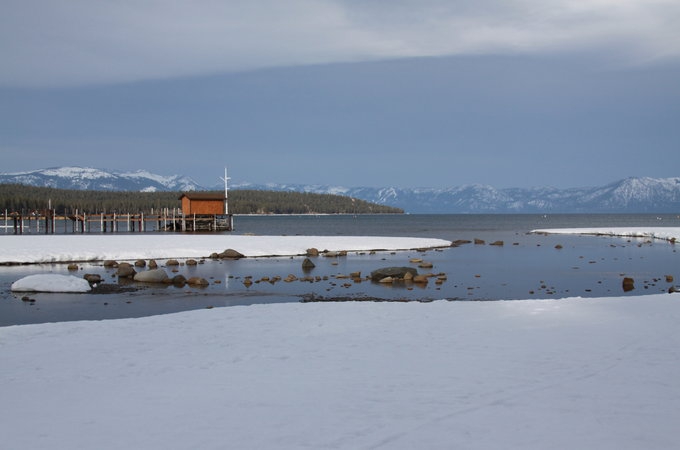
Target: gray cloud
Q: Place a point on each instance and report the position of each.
(76, 42)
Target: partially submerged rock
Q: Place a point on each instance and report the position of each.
(93, 278)
(152, 276)
(230, 253)
(125, 270)
(197, 281)
(394, 272)
(628, 284)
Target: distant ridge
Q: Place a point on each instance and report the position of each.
(86, 178)
(629, 195)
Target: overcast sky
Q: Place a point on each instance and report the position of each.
(430, 93)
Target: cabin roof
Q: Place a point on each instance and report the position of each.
(202, 195)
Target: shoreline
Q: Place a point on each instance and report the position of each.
(670, 234)
(19, 250)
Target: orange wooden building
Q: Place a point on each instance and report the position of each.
(203, 203)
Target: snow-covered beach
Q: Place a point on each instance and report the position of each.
(34, 249)
(665, 233)
(567, 373)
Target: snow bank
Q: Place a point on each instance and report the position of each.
(666, 233)
(50, 283)
(534, 374)
(529, 374)
(64, 248)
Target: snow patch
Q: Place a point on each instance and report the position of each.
(50, 283)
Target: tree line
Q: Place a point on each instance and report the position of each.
(25, 199)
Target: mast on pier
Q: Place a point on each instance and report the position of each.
(226, 192)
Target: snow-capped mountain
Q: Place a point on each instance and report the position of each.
(86, 178)
(630, 195)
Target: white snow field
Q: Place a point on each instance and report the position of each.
(526, 374)
(65, 248)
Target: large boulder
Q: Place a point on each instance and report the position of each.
(394, 272)
(152, 276)
(231, 254)
(125, 270)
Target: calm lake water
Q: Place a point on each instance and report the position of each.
(526, 266)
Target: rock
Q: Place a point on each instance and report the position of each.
(479, 242)
(458, 242)
(214, 255)
(72, 267)
(498, 243)
(386, 280)
(312, 252)
(110, 263)
(421, 279)
(426, 265)
(394, 272)
(125, 270)
(558, 246)
(628, 284)
(93, 278)
(669, 278)
(673, 289)
(140, 263)
(307, 264)
(179, 280)
(152, 276)
(355, 275)
(197, 281)
(191, 262)
(330, 254)
(153, 264)
(172, 262)
(231, 254)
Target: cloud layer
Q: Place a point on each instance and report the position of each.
(46, 43)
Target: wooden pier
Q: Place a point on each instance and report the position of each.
(49, 222)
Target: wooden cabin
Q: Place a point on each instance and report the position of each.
(203, 203)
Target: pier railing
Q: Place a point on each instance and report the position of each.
(49, 222)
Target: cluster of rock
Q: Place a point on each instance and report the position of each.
(628, 284)
(391, 275)
(153, 274)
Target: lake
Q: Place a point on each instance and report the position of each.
(525, 266)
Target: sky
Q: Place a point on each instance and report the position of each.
(427, 93)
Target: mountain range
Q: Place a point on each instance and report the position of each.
(86, 178)
(629, 195)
